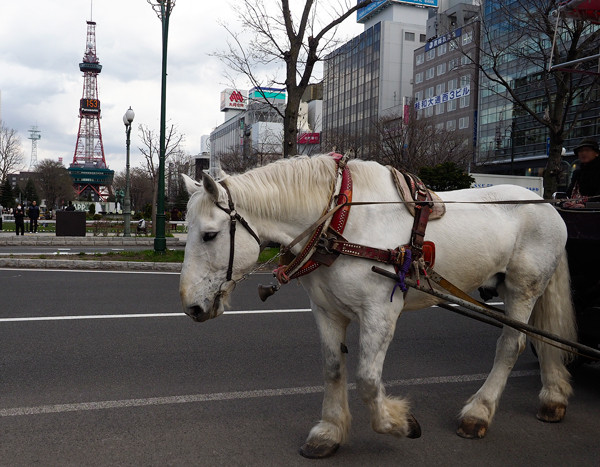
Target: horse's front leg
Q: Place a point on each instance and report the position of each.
(388, 414)
(327, 435)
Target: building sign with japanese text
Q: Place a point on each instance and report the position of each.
(233, 99)
(309, 138)
(445, 97)
(432, 44)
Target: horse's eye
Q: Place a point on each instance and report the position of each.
(208, 236)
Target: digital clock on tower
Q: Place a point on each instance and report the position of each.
(90, 105)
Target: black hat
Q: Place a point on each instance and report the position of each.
(587, 143)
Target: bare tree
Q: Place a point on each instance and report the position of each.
(55, 183)
(235, 162)
(281, 35)
(150, 149)
(140, 187)
(418, 143)
(363, 145)
(11, 154)
(530, 35)
(180, 164)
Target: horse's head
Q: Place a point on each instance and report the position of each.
(208, 274)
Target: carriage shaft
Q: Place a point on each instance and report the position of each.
(493, 315)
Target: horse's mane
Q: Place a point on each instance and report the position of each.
(289, 188)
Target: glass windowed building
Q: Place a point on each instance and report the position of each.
(510, 139)
(446, 74)
(370, 76)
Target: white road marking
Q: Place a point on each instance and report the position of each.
(161, 315)
(145, 315)
(487, 303)
(89, 271)
(235, 395)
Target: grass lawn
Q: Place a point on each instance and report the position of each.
(149, 256)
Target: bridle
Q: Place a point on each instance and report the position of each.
(234, 217)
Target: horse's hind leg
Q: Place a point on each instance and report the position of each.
(327, 435)
(477, 414)
(388, 415)
(553, 313)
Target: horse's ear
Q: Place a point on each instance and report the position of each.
(210, 186)
(191, 185)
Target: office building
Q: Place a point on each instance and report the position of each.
(511, 140)
(446, 74)
(370, 77)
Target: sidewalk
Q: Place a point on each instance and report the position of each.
(61, 262)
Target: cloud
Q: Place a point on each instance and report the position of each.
(42, 44)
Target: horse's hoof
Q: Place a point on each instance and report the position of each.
(472, 428)
(552, 413)
(318, 451)
(414, 429)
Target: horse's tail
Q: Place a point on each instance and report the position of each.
(553, 312)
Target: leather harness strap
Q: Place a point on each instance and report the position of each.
(233, 217)
(326, 244)
(422, 211)
(305, 262)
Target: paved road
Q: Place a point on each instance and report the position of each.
(244, 389)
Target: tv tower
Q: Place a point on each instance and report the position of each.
(34, 136)
(90, 174)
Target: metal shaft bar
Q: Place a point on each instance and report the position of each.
(574, 62)
(519, 326)
(470, 314)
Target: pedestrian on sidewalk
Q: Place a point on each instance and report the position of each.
(33, 214)
(20, 220)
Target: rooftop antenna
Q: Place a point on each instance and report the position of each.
(91, 10)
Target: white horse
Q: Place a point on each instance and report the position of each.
(517, 249)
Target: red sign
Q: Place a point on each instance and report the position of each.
(236, 96)
(309, 138)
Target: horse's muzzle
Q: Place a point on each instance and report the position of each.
(197, 313)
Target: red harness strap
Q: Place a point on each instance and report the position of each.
(338, 224)
(326, 247)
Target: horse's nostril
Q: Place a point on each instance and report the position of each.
(197, 313)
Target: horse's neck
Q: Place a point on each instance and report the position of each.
(289, 216)
(283, 229)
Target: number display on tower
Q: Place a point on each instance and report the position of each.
(89, 105)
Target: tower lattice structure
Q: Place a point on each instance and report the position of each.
(91, 176)
(34, 136)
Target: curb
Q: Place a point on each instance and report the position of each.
(22, 263)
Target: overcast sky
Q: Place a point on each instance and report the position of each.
(43, 42)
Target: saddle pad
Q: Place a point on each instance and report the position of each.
(438, 209)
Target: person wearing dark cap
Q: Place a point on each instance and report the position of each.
(586, 179)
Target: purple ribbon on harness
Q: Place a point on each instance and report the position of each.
(402, 274)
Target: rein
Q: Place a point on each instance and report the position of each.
(331, 212)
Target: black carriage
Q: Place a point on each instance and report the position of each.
(583, 248)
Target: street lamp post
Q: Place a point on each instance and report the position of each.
(127, 120)
(163, 9)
